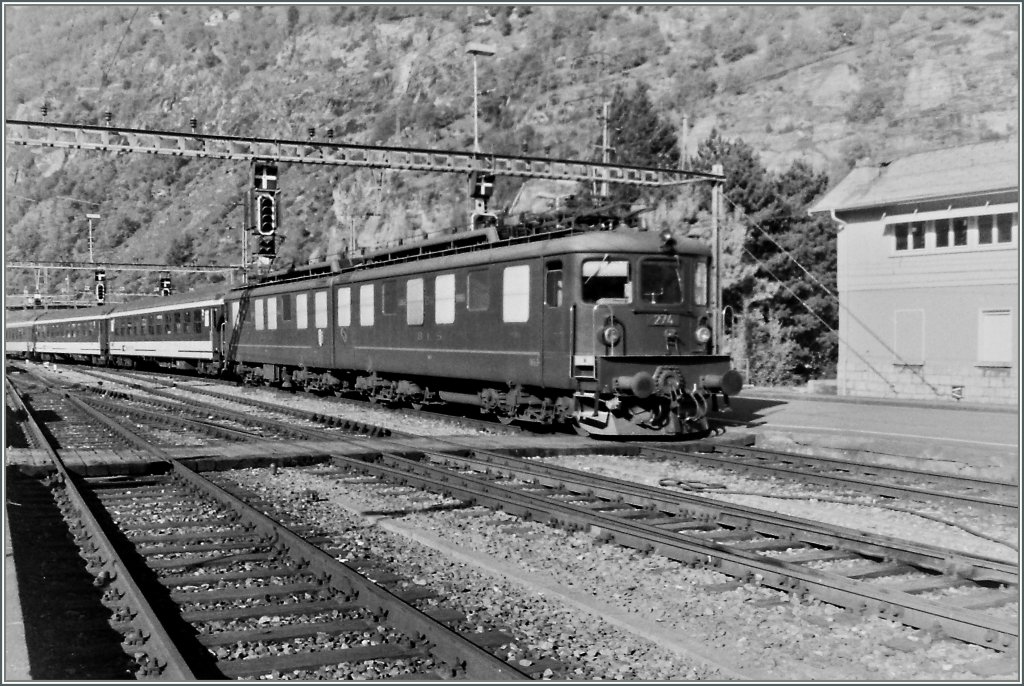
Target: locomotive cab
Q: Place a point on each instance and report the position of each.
(642, 357)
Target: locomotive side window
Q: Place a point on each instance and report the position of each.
(286, 308)
(258, 303)
(234, 314)
(515, 293)
(444, 299)
(301, 311)
(414, 302)
(388, 297)
(700, 283)
(366, 305)
(345, 306)
(606, 279)
(553, 284)
(478, 290)
(320, 309)
(272, 313)
(661, 282)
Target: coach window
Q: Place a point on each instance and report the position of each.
(198, 319)
(444, 299)
(301, 311)
(414, 302)
(320, 309)
(345, 306)
(177, 322)
(515, 293)
(902, 231)
(159, 328)
(389, 297)
(478, 289)
(941, 234)
(553, 284)
(605, 279)
(984, 229)
(366, 305)
(272, 313)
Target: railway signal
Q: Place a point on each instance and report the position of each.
(266, 214)
(101, 286)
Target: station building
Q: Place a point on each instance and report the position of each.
(928, 275)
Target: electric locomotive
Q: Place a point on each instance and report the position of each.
(606, 330)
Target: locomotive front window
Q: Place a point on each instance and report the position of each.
(606, 279)
(700, 283)
(661, 282)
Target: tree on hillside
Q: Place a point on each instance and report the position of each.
(640, 138)
(783, 299)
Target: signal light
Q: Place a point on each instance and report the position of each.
(101, 293)
(266, 215)
(267, 246)
(44, 110)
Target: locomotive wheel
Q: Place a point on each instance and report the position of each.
(505, 419)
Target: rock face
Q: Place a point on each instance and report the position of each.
(822, 84)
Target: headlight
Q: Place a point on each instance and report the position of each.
(611, 335)
(703, 334)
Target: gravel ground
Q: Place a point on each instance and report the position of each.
(608, 612)
(977, 533)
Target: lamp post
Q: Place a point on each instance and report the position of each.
(475, 49)
(90, 217)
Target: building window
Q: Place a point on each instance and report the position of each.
(344, 306)
(301, 311)
(478, 288)
(908, 338)
(902, 231)
(960, 231)
(320, 309)
(995, 337)
(941, 233)
(917, 235)
(1004, 226)
(366, 305)
(984, 229)
(444, 299)
(515, 290)
(414, 302)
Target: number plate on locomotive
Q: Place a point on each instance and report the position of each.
(662, 320)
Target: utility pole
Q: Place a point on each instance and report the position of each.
(90, 217)
(716, 283)
(605, 147)
(682, 142)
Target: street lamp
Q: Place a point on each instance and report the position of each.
(475, 49)
(90, 217)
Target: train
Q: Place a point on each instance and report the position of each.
(605, 331)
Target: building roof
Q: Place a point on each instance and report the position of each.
(960, 171)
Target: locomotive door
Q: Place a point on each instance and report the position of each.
(556, 325)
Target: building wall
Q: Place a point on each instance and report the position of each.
(932, 322)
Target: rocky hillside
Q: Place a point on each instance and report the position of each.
(826, 84)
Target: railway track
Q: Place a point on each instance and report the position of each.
(891, 482)
(203, 585)
(969, 598)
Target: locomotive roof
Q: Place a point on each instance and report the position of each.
(635, 242)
